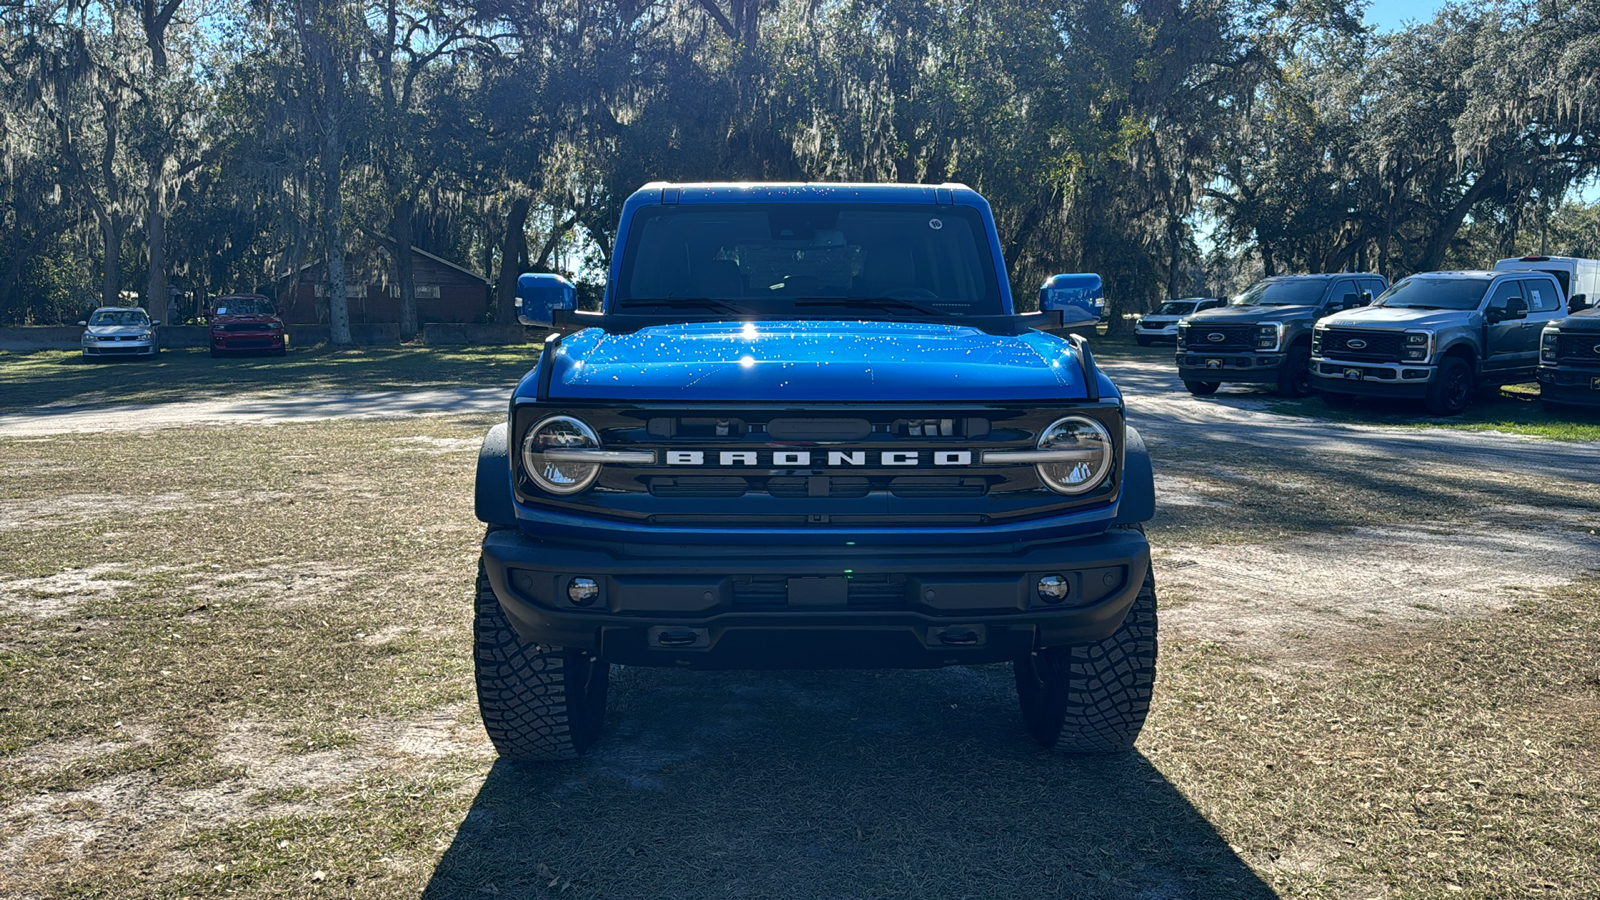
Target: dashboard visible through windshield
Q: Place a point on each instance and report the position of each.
(809, 259)
(1421, 292)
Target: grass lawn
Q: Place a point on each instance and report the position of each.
(64, 377)
(236, 662)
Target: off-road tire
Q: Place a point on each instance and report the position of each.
(1093, 698)
(1552, 408)
(1452, 388)
(538, 702)
(1294, 379)
(1202, 388)
(1144, 341)
(215, 353)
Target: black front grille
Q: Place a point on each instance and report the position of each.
(865, 592)
(1581, 349)
(247, 326)
(1366, 346)
(1204, 338)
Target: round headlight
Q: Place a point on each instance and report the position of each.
(560, 476)
(1086, 455)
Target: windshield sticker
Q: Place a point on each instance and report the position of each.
(1538, 302)
(936, 224)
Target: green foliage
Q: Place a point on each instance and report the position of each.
(504, 135)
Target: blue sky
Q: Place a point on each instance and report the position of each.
(1390, 15)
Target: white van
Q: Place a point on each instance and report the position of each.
(1580, 278)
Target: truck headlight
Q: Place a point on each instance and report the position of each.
(1316, 341)
(1183, 334)
(1080, 455)
(1267, 336)
(1547, 346)
(560, 476)
(1418, 346)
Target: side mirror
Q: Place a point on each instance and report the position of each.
(154, 322)
(81, 322)
(1078, 297)
(540, 295)
(1578, 302)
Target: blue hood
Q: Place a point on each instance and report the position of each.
(816, 361)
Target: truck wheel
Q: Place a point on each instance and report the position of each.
(1451, 390)
(1202, 388)
(1093, 698)
(1143, 341)
(538, 702)
(1294, 379)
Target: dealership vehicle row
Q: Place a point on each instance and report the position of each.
(1437, 337)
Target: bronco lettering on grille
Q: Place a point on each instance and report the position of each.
(786, 459)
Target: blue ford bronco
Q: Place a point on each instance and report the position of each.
(808, 429)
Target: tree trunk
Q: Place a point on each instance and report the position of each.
(1450, 223)
(513, 257)
(401, 232)
(111, 281)
(333, 232)
(155, 236)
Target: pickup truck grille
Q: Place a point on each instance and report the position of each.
(1369, 346)
(245, 326)
(1579, 349)
(801, 486)
(1233, 337)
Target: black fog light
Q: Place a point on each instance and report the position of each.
(583, 591)
(1054, 588)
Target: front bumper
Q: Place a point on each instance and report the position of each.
(1369, 379)
(1573, 387)
(1232, 365)
(248, 340)
(779, 607)
(120, 348)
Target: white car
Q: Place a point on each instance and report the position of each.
(1162, 325)
(120, 331)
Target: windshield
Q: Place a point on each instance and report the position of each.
(1175, 308)
(244, 306)
(813, 258)
(119, 317)
(1290, 292)
(1422, 292)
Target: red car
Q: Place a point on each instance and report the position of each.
(246, 322)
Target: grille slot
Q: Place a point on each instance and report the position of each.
(1578, 348)
(699, 486)
(247, 326)
(1381, 346)
(866, 592)
(1234, 337)
(938, 486)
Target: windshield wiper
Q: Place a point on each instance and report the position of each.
(1411, 306)
(872, 302)
(684, 303)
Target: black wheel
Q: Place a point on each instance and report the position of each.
(1336, 399)
(1552, 408)
(1451, 389)
(1202, 388)
(1294, 379)
(538, 702)
(281, 351)
(1143, 341)
(215, 353)
(1093, 698)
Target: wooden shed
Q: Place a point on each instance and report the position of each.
(446, 292)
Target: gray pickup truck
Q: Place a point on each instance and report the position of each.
(1264, 336)
(1437, 337)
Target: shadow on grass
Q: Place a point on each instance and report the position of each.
(50, 377)
(832, 784)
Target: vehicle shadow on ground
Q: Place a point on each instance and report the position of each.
(832, 784)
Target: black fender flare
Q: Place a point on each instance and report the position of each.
(492, 502)
(1138, 501)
